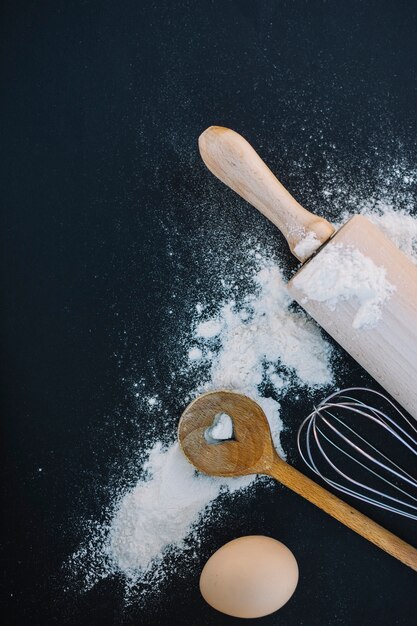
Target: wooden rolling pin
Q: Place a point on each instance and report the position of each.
(387, 349)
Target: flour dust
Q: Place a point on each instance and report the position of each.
(257, 343)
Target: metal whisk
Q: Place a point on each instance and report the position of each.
(335, 442)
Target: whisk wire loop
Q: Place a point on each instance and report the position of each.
(326, 439)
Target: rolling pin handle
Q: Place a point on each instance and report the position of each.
(233, 160)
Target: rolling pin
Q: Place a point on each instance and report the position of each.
(387, 349)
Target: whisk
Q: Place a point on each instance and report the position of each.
(335, 442)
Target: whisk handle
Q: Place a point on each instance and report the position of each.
(343, 512)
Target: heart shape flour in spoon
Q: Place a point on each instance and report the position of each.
(220, 430)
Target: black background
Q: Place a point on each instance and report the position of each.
(104, 197)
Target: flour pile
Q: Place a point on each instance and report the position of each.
(259, 345)
(158, 512)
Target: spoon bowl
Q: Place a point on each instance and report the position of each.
(251, 451)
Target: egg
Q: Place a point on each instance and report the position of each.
(249, 577)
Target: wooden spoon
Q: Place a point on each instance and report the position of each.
(252, 451)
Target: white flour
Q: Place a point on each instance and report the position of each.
(260, 344)
(305, 248)
(258, 339)
(157, 512)
(398, 225)
(344, 273)
(261, 347)
(222, 428)
(264, 332)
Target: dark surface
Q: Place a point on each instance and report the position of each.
(102, 103)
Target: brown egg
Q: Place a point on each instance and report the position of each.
(249, 577)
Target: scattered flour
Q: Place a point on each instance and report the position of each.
(260, 344)
(344, 273)
(194, 354)
(261, 347)
(209, 329)
(158, 511)
(264, 331)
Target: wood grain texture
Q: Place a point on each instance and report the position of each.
(252, 452)
(233, 160)
(388, 351)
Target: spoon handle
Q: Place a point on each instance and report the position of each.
(233, 160)
(350, 517)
